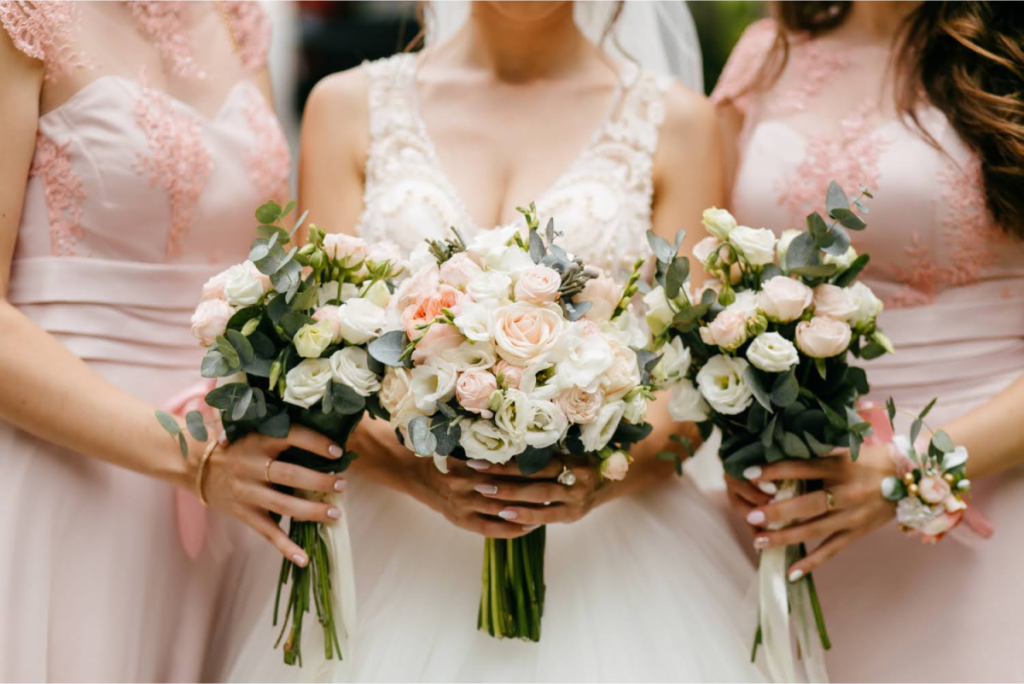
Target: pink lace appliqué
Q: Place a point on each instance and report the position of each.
(967, 229)
(44, 31)
(179, 161)
(815, 67)
(64, 194)
(269, 159)
(166, 23)
(250, 31)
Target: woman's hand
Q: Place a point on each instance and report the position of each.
(857, 504)
(236, 482)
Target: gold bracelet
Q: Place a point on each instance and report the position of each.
(201, 475)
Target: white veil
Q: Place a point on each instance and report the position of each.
(660, 36)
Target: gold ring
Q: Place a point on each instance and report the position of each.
(266, 471)
(201, 474)
(830, 500)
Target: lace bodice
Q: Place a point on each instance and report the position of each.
(831, 116)
(601, 204)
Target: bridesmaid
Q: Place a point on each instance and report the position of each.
(138, 137)
(922, 103)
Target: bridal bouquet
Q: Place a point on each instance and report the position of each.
(510, 349)
(763, 354)
(286, 335)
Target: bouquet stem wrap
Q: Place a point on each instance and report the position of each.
(512, 598)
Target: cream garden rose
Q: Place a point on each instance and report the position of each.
(460, 269)
(395, 396)
(350, 366)
(306, 383)
(823, 337)
(538, 284)
(868, 305)
(728, 330)
(622, 375)
(836, 302)
(722, 385)
(585, 361)
(476, 322)
(580, 406)
(784, 299)
(615, 466)
(772, 353)
(604, 294)
(491, 287)
(473, 391)
(210, 320)
(525, 333)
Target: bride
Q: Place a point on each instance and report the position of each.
(644, 579)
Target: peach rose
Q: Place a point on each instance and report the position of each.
(823, 337)
(474, 389)
(210, 320)
(430, 307)
(604, 294)
(511, 376)
(417, 286)
(460, 269)
(580, 407)
(784, 299)
(728, 331)
(538, 284)
(524, 333)
(440, 338)
(623, 375)
(933, 489)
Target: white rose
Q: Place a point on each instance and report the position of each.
(833, 301)
(313, 338)
(674, 363)
(685, 403)
(360, 320)
(490, 245)
(745, 302)
(433, 383)
(513, 261)
(785, 240)
(578, 406)
(331, 292)
(513, 412)
(719, 222)
(214, 287)
(784, 299)
(345, 249)
(306, 384)
(526, 333)
(476, 322)
(490, 287)
(460, 269)
(595, 434)
(757, 245)
(772, 353)
(244, 285)
(722, 385)
(545, 424)
(379, 294)
(483, 440)
(622, 376)
(868, 305)
(586, 359)
(728, 330)
(395, 396)
(350, 366)
(659, 313)
(615, 466)
(823, 337)
(844, 260)
(636, 408)
(471, 356)
(210, 320)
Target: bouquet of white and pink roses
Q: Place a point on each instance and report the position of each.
(761, 353)
(511, 349)
(286, 334)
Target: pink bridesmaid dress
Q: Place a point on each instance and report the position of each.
(953, 286)
(154, 146)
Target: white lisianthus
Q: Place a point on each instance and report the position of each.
(513, 412)
(244, 285)
(686, 404)
(782, 247)
(491, 244)
(636, 408)
(513, 261)
(757, 245)
(844, 260)
(330, 292)
(545, 424)
(483, 440)
(719, 222)
(586, 359)
(476, 322)
(306, 383)
(659, 312)
(674, 363)
(313, 338)
(595, 434)
(625, 329)
(360, 320)
(433, 382)
(868, 305)
(469, 356)
(490, 287)
(379, 294)
(350, 366)
(421, 257)
(834, 301)
(722, 385)
(772, 353)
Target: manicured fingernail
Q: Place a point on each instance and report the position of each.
(486, 489)
(530, 528)
(508, 514)
(222, 438)
(339, 485)
(762, 543)
(300, 560)
(333, 513)
(768, 488)
(755, 517)
(477, 464)
(795, 575)
(752, 473)
(335, 451)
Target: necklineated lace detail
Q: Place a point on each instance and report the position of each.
(269, 159)
(45, 31)
(166, 23)
(63, 191)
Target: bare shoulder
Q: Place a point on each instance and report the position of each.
(335, 123)
(689, 129)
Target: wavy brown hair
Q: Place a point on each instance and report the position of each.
(966, 59)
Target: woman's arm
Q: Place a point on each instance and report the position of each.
(993, 433)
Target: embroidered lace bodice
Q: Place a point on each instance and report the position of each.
(831, 116)
(601, 204)
(154, 144)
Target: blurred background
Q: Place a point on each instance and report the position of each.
(314, 38)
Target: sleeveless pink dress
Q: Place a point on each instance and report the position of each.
(953, 285)
(153, 149)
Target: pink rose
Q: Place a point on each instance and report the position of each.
(833, 301)
(784, 299)
(511, 376)
(822, 337)
(703, 250)
(580, 407)
(538, 284)
(345, 249)
(417, 286)
(623, 375)
(933, 489)
(604, 294)
(460, 269)
(474, 389)
(214, 287)
(330, 313)
(524, 332)
(439, 338)
(210, 320)
(431, 307)
(728, 331)
(615, 466)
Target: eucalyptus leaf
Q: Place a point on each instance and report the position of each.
(389, 347)
(287, 208)
(214, 365)
(785, 389)
(818, 448)
(196, 426)
(182, 445)
(307, 299)
(549, 230)
(942, 442)
(890, 408)
(276, 425)
(818, 230)
(835, 198)
(800, 251)
(168, 422)
(774, 454)
(835, 419)
(241, 405)
(927, 409)
(859, 379)
(227, 350)
(757, 388)
(872, 350)
(794, 446)
(241, 345)
(559, 254)
(447, 435)
(769, 432)
(822, 368)
(840, 241)
(677, 273)
(268, 212)
(423, 441)
(815, 270)
(661, 247)
(533, 460)
(849, 219)
(276, 258)
(574, 312)
(299, 222)
(288, 276)
(846, 278)
(915, 429)
(680, 237)
(346, 401)
(537, 250)
(225, 396)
